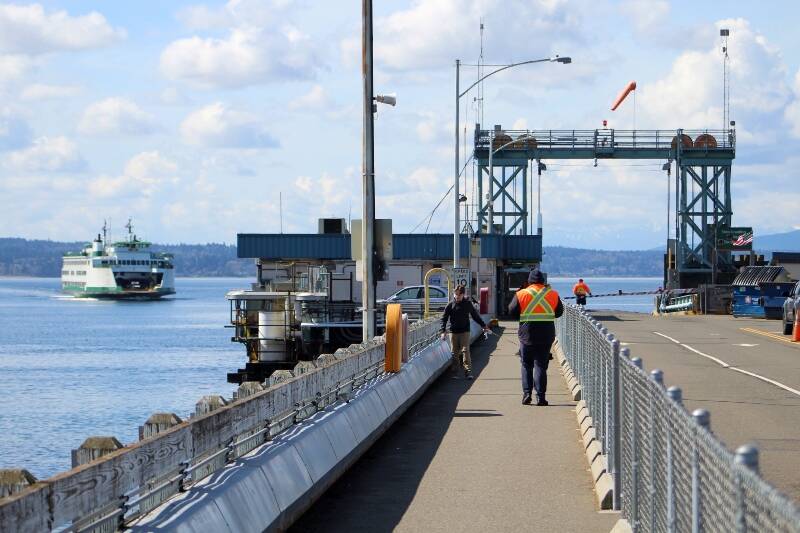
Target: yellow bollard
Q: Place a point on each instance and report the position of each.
(394, 338)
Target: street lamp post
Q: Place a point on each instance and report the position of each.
(368, 251)
(367, 181)
(459, 94)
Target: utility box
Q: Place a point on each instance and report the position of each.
(382, 238)
(332, 226)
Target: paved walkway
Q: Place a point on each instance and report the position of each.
(469, 457)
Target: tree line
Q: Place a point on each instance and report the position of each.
(40, 258)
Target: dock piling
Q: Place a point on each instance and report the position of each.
(157, 423)
(209, 403)
(13, 480)
(93, 448)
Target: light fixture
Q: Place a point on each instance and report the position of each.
(388, 99)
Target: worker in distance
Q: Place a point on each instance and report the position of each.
(537, 306)
(458, 312)
(580, 290)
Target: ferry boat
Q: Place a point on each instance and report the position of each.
(123, 269)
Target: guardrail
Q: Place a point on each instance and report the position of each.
(670, 472)
(107, 493)
(605, 139)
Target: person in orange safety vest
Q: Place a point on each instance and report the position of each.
(537, 307)
(580, 290)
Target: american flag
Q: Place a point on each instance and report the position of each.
(743, 239)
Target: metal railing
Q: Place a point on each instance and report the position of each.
(111, 491)
(603, 139)
(670, 472)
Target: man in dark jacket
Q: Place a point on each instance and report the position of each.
(459, 312)
(537, 307)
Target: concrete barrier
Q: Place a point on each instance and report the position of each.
(598, 463)
(269, 488)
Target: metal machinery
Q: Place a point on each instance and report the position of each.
(289, 315)
(703, 161)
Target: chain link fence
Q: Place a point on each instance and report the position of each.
(670, 472)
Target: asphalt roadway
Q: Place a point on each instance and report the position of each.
(469, 457)
(755, 399)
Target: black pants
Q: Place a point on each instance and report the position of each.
(580, 299)
(535, 358)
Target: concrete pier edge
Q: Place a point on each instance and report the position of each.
(598, 463)
(291, 468)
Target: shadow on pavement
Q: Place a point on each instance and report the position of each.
(611, 318)
(375, 493)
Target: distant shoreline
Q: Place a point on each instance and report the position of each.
(553, 276)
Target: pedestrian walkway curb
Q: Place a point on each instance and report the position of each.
(598, 463)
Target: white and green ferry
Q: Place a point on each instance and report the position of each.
(123, 269)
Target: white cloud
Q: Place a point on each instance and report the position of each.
(116, 116)
(690, 95)
(247, 56)
(218, 126)
(14, 130)
(792, 112)
(29, 29)
(40, 91)
(234, 13)
(328, 195)
(13, 67)
(143, 176)
(173, 96)
(47, 154)
(647, 15)
(520, 124)
(419, 38)
(315, 99)
(424, 179)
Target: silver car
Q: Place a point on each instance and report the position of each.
(415, 295)
(790, 309)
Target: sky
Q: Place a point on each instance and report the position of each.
(204, 120)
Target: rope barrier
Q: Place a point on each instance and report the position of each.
(618, 293)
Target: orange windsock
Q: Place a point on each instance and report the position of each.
(628, 88)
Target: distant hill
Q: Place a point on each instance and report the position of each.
(22, 257)
(562, 261)
(778, 242)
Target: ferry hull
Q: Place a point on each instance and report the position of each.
(119, 294)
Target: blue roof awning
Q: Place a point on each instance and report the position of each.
(406, 246)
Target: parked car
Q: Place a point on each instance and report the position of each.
(415, 295)
(790, 309)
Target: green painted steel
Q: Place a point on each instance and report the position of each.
(702, 197)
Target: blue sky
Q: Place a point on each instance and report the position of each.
(193, 117)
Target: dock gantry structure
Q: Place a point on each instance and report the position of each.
(702, 193)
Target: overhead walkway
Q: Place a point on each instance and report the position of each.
(469, 457)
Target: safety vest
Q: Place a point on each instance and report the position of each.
(580, 289)
(537, 303)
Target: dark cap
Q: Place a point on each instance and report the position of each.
(536, 276)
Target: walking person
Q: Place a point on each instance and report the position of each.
(458, 312)
(580, 290)
(537, 307)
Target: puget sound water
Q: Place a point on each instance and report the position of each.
(72, 368)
